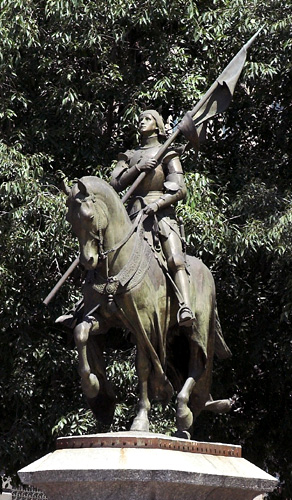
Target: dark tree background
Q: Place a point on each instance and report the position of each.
(74, 76)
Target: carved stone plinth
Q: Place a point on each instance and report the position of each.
(145, 466)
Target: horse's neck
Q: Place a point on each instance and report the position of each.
(118, 228)
(121, 257)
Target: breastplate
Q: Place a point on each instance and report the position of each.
(154, 180)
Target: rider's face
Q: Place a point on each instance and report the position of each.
(147, 124)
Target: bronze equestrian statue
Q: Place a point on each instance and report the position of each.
(139, 278)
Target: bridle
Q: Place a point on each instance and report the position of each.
(98, 236)
(132, 271)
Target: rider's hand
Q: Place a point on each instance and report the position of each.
(150, 209)
(146, 167)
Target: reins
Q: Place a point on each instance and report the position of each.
(134, 269)
(139, 220)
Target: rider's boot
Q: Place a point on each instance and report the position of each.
(185, 316)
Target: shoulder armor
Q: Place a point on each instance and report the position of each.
(126, 156)
(170, 154)
(171, 186)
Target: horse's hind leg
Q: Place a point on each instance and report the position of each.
(141, 421)
(89, 381)
(184, 416)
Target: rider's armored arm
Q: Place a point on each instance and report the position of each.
(175, 188)
(123, 176)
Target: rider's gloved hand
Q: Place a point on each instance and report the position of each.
(146, 167)
(150, 209)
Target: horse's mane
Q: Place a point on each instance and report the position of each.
(94, 185)
(100, 190)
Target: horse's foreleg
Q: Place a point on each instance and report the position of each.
(89, 381)
(141, 421)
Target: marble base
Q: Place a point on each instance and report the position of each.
(145, 466)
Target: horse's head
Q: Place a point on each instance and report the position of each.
(89, 218)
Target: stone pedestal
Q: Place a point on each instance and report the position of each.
(145, 466)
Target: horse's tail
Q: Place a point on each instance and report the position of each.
(222, 350)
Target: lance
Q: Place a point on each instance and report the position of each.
(61, 281)
(193, 125)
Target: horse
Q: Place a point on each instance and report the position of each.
(127, 285)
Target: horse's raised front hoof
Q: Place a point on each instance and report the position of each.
(90, 386)
(184, 419)
(140, 424)
(67, 320)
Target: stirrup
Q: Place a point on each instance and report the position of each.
(185, 316)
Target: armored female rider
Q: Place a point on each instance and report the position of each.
(162, 187)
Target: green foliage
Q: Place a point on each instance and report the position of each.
(74, 75)
(36, 369)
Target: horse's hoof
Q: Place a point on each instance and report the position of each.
(184, 419)
(182, 435)
(219, 406)
(140, 424)
(90, 386)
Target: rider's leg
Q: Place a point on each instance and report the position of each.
(172, 249)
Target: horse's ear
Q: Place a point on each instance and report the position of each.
(65, 188)
(82, 188)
